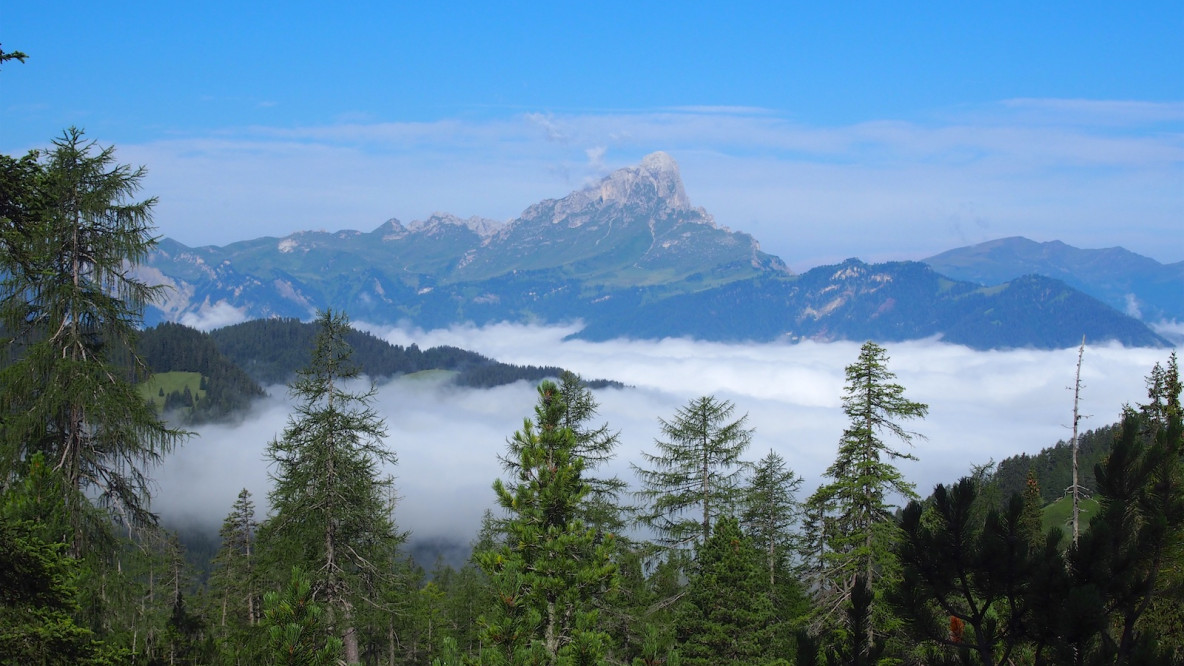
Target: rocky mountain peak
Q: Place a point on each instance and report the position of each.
(657, 177)
(653, 187)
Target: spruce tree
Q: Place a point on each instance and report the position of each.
(552, 569)
(695, 476)
(854, 509)
(329, 498)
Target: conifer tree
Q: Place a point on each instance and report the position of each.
(329, 497)
(727, 617)
(295, 626)
(596, 445)
(1032, 521)
(235, 604)
(72, 306)
(694, 478)
(770, 511)
(854, 508)
(552, 568)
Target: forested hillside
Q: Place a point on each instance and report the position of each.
(1053, 466)
(227, 390)
(273, 350)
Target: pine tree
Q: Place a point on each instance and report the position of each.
(552, 569)
(295, 627)
(967, 579)
(854, 508)
(1135, 537)
(697, 469)
(72, 306)
(329, 498)
(727, 617)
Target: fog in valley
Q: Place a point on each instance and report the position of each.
(984, 406)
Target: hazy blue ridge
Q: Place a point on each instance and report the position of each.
(1126, 281)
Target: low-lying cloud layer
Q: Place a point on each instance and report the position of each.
(983, 406)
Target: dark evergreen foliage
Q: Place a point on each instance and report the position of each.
(272, 350)
(1053, 466)
(727, 616)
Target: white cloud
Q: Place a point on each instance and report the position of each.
(983, 406)
(209, 317)
(1171, 329)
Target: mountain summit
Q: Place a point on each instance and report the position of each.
(628, 255)
(621, 230)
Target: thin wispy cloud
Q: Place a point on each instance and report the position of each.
(1071, 170)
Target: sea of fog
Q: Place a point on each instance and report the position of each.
(983, 406)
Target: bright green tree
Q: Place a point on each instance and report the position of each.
(38, 597)
(329, 498)
(72, 305)
(855, 507)
(552, 569)
(695, 476)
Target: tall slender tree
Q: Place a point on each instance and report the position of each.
(329, 496)
(770, 511)
(856, 505)
(596, 445)
(71, 305)
(234, 605)
(695, 476)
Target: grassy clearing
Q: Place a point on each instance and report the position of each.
(1059, 513)
(163, 383)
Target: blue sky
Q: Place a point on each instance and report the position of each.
(826, 130)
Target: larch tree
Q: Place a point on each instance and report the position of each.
(855, 508)
(331, 515)
(596, 445)
(551, 569)
(71, 306)
(770, 511)
(695, 476)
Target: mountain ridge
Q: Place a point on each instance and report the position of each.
(628, 255)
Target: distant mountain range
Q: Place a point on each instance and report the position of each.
(630, 257)
(1137, 285)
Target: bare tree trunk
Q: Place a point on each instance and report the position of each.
(1076, 418)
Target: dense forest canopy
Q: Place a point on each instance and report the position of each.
(734, 568)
